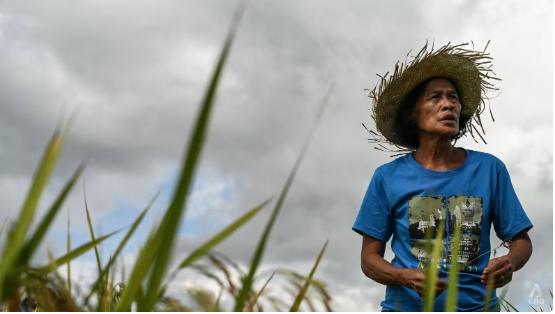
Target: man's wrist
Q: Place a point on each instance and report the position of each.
(402, 277)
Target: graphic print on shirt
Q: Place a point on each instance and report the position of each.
(469, 248)
(426, 212)
(467, 212)
(418, 250)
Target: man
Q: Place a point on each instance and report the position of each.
(423, 109)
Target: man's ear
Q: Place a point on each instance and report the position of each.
(414, 114)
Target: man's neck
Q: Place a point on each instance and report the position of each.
(438, 154)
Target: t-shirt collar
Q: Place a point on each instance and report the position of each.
(448, 173)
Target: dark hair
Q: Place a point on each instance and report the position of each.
(407, 128)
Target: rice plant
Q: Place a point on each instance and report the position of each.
(32, 288)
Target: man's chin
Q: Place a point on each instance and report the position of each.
(449, 131)
(446, 133)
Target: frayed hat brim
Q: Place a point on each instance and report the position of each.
(469, 70)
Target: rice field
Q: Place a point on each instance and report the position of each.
(25, 287)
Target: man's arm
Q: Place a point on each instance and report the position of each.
(500, 270)
(520, 250)
(375, 267)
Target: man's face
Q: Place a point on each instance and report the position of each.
(438, 110)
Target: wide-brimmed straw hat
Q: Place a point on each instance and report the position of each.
(469, 70)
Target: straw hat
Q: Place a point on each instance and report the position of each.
(469, 71)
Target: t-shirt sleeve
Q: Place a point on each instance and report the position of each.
(374, 217)
(509, 216)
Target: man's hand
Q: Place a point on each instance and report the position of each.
(499, 272)
(374, 266)
(416, 280)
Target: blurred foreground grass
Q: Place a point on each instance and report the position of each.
(26, 287)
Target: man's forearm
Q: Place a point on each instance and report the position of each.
(520, 250)
(378, 269)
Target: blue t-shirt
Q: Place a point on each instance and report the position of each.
(404, 199)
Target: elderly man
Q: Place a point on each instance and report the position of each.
(423, 109)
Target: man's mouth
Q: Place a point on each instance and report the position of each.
(449, 117)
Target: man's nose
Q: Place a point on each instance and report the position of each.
(447, 104)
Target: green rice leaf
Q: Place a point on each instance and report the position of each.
(73, 254)
(222, 235)
(217, 303)
(502, 295)
(504, 306)
(256, 296)
(204, 270)
(259, 252)
(122, 270)
(16, 238)
(68, 263)
(431, 271)
(306, 297)
(91, 229)
(509, 304)
(103, 297)
(453, 279)
(32, 244)
(203, 298)
(487, 301)
(276, 303)
(142, 265)
(215, 240)
(140, 297)
(532, 308)
(224, 269)
(96, 286)
(3, 225)
(176, 210)
(323, 293)
(302, 291)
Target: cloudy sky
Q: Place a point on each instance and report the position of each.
(137, 71)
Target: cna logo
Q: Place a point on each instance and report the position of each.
(536, 295)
